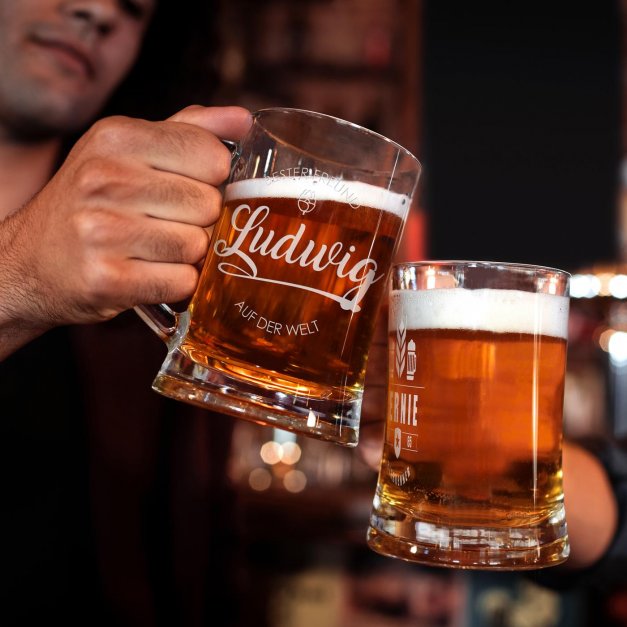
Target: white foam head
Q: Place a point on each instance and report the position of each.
(500, 311)
(355, 193)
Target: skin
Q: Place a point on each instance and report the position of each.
(591, 509)
(61, 59)
(123, 220)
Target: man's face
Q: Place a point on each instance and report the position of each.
(61, 59)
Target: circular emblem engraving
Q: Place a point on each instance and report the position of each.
(307, 201)
(397, 442)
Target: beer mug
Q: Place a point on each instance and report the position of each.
(471, 474)
(279, 327)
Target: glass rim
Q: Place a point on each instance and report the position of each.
(469, 263)
(357, 127)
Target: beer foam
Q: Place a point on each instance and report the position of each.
(355, 193)
(500, 311)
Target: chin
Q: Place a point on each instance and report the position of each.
(49, 120)
(35, 111)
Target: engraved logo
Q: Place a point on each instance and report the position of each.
(255, 239)
(397, 442)
(307, 201)
(400, 350)
(411, 360)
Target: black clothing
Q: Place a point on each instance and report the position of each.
(610, 572)
(116, 498)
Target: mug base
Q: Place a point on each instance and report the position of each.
(395, 533)
(185, 380)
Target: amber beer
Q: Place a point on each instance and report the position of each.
(290, 289)
(279, 327)
(472, 452)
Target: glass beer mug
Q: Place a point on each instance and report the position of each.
(279, 328)
(471, 475)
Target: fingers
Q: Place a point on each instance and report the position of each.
(188, 144)
(106, 234)
(224, 122)
(116, 286)
(205, 157)
(161, 282)
(183, 199)
(182, 149)
(193, 147)
(132, 189)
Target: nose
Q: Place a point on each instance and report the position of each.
(97, 16)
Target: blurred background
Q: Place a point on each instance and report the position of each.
(518, 114)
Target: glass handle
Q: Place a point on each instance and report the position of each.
(160, 318)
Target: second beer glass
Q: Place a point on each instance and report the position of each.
(471, 475)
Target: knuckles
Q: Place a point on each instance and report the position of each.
(222, 163)
(96, 227)
(113, 132)
(210, 203)
(96, 175)
(199, 247)
(101, 284)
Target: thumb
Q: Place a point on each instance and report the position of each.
(224, 122)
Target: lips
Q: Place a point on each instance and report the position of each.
(70, 53)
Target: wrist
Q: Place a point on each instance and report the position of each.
(19, 322)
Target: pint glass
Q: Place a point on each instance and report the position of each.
(471, 475)
(279, 328)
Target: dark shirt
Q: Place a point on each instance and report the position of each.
(610, 572)
(117, 500)
(612, 568)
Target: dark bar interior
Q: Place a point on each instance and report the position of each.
(126, 508)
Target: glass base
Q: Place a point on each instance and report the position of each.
(183, 379)
(396, 533)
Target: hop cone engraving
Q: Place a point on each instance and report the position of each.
(400, 349)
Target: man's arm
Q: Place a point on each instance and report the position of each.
(123, 222)
(591, 507)
(15, 329)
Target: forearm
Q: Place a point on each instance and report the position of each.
(14, 335)
(591, 508)
(16, 326)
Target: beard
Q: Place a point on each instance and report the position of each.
(32, 109)
(34, 119)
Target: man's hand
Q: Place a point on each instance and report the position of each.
(121, 223)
